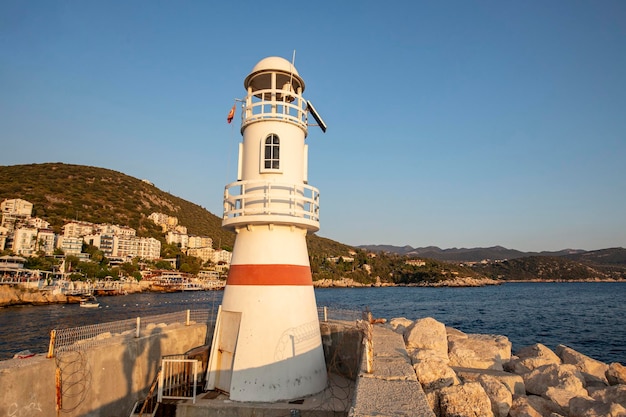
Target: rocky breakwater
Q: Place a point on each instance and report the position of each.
(467, 375)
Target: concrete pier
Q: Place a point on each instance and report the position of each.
(391, 389)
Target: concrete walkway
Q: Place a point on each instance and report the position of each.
(392, 388)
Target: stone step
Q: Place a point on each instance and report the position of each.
(392, 388)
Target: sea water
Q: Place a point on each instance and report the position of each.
(588, 317)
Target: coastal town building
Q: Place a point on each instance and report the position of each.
(38, 223)
(17, 206)
(46, 239)
(25, 241)
(206, 254)
(176, 238)
(78, 229)
(167, 223)
(70, 245)
(415, 262)
(29, 236)
(199, 242)
(4, 233)
(222, 257)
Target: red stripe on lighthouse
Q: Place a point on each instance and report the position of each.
(269, 275)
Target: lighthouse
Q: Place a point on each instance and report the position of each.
(267, 344)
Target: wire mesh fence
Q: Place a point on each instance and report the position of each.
(90, 336)
(330, 313)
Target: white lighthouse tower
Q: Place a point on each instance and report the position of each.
(267, 343)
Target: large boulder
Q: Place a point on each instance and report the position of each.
(616, 374)
(480, 351)
(565, 377)
(434, 373)
(588, 407)
(532, 357)
(593, 370)
(468, 400)
(427, 333)
(399, 324)
(514, 383)
(611, 395)
(533, 406)
(498, 393)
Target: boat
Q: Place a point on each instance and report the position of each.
(90, 302)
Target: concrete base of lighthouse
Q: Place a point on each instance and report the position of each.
(267, 345)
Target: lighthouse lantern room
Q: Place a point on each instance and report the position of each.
(267, 344)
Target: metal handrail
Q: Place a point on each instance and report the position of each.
(254, 197)
(255, 108)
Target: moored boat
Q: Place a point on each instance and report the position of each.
(90, 302)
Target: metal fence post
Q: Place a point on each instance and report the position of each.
(138, 327)
(53, 336)
(369, 344)
(325, 313)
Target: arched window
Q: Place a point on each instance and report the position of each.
(271, 159)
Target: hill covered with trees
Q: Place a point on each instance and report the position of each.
(63, 192)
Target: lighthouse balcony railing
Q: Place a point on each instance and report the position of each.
(281, 105)
(254, 201)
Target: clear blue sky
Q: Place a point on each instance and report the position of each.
(450, 123)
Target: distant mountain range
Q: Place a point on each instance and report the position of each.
(613, 256)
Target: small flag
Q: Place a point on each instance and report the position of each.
(231, 114)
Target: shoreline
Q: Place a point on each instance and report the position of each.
(16, 295)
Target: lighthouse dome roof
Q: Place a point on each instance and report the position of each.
(279, 65)
(274, 63)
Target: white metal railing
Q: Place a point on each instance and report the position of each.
(266, 198)
(178, 379)
(256, 107)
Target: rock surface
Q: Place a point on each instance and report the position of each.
(478, 376)
(468, 400)
(427, 333)
(481, 351)
(531, 357)
(593, 371)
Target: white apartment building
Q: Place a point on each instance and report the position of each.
(222, 256)
(149, 248)
(25, 241)
(126, 247)
(205, 253)
(17, 206)
(45, 241)
(70, 245)
(78, 229)
(115, 230)
(200, 242)
(166, 222)
(4, 233)
(38, 223)
(181, 239)
(159, 218)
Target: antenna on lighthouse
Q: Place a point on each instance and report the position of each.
(316, 116)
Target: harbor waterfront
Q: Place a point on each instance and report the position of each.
(588, 317)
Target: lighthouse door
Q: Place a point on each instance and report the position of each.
(223, 350)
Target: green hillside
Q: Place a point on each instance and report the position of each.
(549, 268)
(62, 192)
